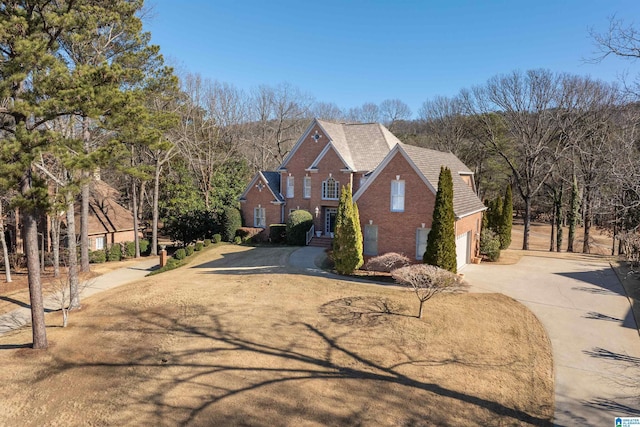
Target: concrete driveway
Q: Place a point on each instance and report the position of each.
(596, 346)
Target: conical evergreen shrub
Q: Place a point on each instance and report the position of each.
(507, 219)
(441, 246)
(347, 242)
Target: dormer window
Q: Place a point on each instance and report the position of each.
(330, 189)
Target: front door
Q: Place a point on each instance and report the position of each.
(330, 220)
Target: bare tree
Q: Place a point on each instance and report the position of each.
(393, 111)
(327, 111)
(529, 104)
(428, 281)
(367, 113)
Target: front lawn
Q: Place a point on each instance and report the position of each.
(236, 339)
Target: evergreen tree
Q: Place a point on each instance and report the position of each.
(347, 243)
(441, 246)
(495, 215)
(506, 222)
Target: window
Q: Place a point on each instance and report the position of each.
(259, 219)
(289, 187)
(422, 236)
(307, 187)
(370, 246)
(330, 189)
(100, 241)
(397, 196)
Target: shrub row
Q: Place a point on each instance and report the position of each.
(192, 226)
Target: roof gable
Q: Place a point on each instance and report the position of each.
(323, 153)
(272, 181)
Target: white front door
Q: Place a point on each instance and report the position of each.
(462, 249)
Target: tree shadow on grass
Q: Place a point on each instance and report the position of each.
(213, 379)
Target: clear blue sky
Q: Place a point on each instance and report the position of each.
(352, 52)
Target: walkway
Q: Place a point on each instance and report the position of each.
(596, 347)
(22, 316)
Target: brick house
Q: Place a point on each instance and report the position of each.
(394, 185)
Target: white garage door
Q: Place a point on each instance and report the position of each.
(462, 249)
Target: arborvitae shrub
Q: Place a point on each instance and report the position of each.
(278, 233)
(199, 246)
(189, 250)
(217, 238)
(298, 223)
(347, 242)
(97, 257)
(231, 221)
(507, 219)
(180, 254)
(115, 253)
(441, 246)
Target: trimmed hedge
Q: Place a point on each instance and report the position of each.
(199, 246)
(97, 257)
(278, 233)
(180, 254)
(298, 223)
(207, 242)
(115, 253)
(251, 234)
(217, 238)
(190, 250)
(237, 240)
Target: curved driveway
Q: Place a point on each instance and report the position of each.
(595, 341)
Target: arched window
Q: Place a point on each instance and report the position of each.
(330, 189)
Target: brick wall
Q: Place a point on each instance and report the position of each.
(263, 198)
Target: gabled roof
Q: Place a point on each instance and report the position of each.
(427, 165)
(361, 146)
(273, 184)
(105, 214)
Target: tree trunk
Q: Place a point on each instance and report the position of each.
(552, 244)
(586, 247)
(527, 223)
(84, 226)
(573, 215)
(134, 202)
(74, 296)
(55, 243)
(156, 213)
(5, 250)
(559, 220)
(30, 230)
(420, 309)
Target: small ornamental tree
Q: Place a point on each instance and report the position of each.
(507, 219)
(441, 246)
(427, 281)
(347, 243)
(387, 262)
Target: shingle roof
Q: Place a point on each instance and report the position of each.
(273, 181)
(361, 145)
(105, 214)
(465, 201)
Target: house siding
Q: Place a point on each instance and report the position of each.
(397, 230)
(264, 198)
(304, 156)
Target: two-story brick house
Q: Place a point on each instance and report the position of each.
(394, 185)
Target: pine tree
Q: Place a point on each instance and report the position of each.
(347, 243)
(506, 222)
(441, 246)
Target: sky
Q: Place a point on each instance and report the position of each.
(352, 52)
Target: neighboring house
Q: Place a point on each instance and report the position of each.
(394, 185)
(109, 222)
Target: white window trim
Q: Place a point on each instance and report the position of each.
(325, 189)
(102, 241)
(290, 187)
(398, 196)
(259, 217)
(306, 189)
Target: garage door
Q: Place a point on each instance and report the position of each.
(462, 249)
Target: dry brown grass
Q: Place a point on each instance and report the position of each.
(239, 340)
